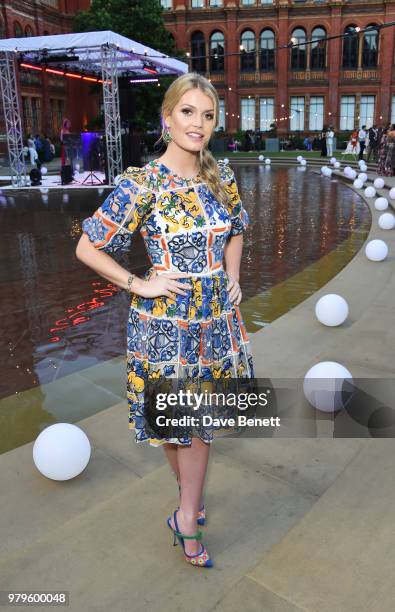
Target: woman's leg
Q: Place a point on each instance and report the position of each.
(192, 463)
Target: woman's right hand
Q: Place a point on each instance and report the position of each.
(165, 284)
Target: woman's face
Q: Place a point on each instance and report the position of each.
(193, 115)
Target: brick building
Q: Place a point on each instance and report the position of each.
(45, 99)
(341, 82)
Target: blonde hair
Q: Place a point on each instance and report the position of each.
(209, 170)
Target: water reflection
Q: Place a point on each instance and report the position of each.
(58, 317)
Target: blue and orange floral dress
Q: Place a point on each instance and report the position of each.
(196, 341)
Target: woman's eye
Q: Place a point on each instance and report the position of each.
(186, 110)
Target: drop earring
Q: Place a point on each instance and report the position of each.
(166, 136)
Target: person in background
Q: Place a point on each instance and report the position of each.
(373, 134)
(382, 167)
(362, 141)
(329, 141)
(38, 143)
(323, 142)
(32, 149)
(307, 143)
(47, 155)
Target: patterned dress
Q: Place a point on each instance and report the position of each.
(197, 341)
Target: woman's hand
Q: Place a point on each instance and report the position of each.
(234, 290)
(165, 284)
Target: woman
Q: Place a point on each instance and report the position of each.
(185, 324)
(32, 149)
(65, 129)
(323, 142)
(384, 166)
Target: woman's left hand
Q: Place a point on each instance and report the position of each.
(234, 290)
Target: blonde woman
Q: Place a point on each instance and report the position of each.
(184, 326)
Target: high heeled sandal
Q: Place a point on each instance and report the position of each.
(202, 558)
(201, 515)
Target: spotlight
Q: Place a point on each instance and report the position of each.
(35, 177)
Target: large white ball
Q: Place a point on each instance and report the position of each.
(347, 169)
(337, 165)
(381, 203)
(303, 162)
(61, 451)
(299, 158)
(386, 221)
(376, 250)
(226, 160)
(358, 184)
(328, 171)
(363, 176)
(331, 310)
(379, 183)
(327, 386)
(361, 162)
(268, 161)
(44, 170)
(363, 167)
(261, 158)
(370, 192)
(392, 193)
(352, 174)
(333, 160)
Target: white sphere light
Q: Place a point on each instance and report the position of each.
(379, 183)
(323, 385)
(333, 160)
(363, 167)
(44, 170)
(381, 203)
(376, 250)
(226, 160)
(352, 174)
(392, 193)
(337, 165)
(331, 310)
(61, 451)
(303, 162)
(268, 161)
(328, 172)
(363, 177)
(386, 221)
(299, 158)
(358, 184)
(370, 192)
(261, 158)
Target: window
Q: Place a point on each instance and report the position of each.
(198, 52)
(298, 53)
(217, 48)
(347, 112)
(370, 44)
(221, 119)
(266, 1)
(350, 48)
(248, 113)
(316, 115)
(18, 32)
(366, 112)
(29, 31)
(197, 4)
(247, 2)
(215, 3)
(267, 45)
(166, 4)
(247, 57)
(318, 49)
(297, 113)
(266, 113)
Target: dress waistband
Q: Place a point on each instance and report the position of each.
(207, 273)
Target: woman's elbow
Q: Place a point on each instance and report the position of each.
(82, 246)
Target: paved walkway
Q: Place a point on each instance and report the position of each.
(293, 523)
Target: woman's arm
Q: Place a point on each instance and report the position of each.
(105, 265)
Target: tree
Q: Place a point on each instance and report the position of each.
(142, 21)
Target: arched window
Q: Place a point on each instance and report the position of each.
(198, 52)
(18, 32)
(267, 44)
(247, 57)
(217, 48)
(370, 47)
(350, 47)
(298, 52)
(29, 31)
(318, 49)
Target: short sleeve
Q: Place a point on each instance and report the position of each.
(238, 214)
(112, 225)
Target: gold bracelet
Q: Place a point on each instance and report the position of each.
(130, 281)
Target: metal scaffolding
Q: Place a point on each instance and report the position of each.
(112, 115)
(12, 118)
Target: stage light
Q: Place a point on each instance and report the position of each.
(35, 177)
